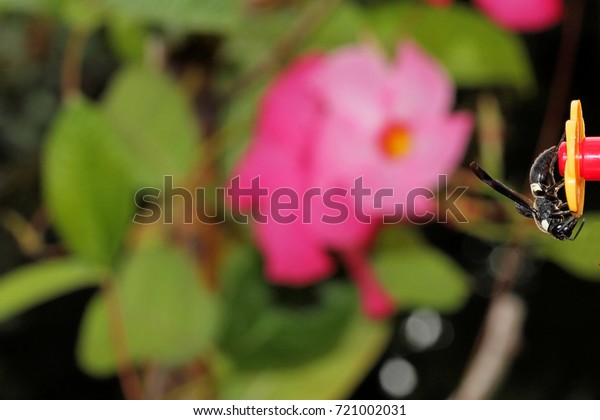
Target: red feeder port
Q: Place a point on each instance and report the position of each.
(589, 158)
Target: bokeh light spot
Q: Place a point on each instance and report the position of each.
(398, 377)
(423, 328)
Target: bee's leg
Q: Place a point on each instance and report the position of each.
(578, 230)
(557, 186)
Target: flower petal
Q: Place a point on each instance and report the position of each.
(440, 147)
(523, 15)
(346, 153)
(293, 254)
(293, 257)
(289, 110)
(344, 150)
(339, 224)
(419, 86)
(351, 83)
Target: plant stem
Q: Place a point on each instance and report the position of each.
(130, 383)
(553, 123)
(374, 300)
(30, 241)
(72, 63)
(499, 336)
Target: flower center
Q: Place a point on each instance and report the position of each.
(395, 140)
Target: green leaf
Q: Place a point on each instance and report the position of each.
(580, 257)
(343, 27)
(254, 37)
(197, 15)
(128, 39)
(475, 51)
(84, 15)
(32, 285)
(169, 316)
(421, 276)
(86, 183)
(259, 332)
(333, 376)
(156, 122)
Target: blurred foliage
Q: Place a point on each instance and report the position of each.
(260, 332)
(579, 258)
(183, 15)
(334, 374)
(149, 111)
(168, 314)
(87, 196)
(422, 276)
(416, 274)
(260, 341)
(29, 286)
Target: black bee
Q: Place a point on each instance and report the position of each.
(550, 214)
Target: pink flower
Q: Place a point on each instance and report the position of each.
(331, 124)
(523, 15)
(519, 15)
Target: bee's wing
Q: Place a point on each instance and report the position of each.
(520, 199)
